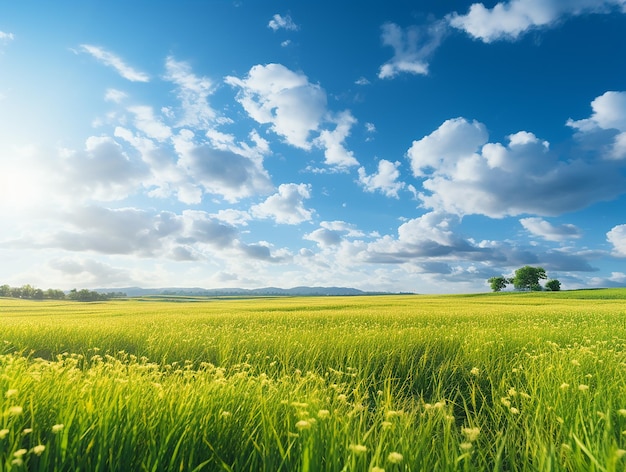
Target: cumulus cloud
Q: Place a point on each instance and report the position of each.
(332, 233)
(549, 232)
(286, 100)
(616, 279)
(428, 236)
(609, 114)
(617, 237)
(221, 172)
(282, 22)
(91, 273)
(465, 174)
(509, 20)
(115, 231)
(109, 59)
(412, 47)
(333, 142)
(286, 206)
(102, 171)
(202, 228)
(384, 181)
(193, 93)
(441, 149)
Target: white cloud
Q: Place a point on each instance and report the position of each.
(109, 59)
(464, 174)
(91, 273)
(509, 20)
(166, 177)
(273, 94)
(441, 149)
(549, 232)
(335, 152)
(114, 231)
(115, 96)
(384, 181)
(332, 233)
(282, 22)
(6, 36)
(233, 217)
(609, 113)
(200, 228)
(616, 279)
(286, 206)
(102, 171)
(146, 121)
(221, 172)
(617, 237)
(193, 93)
(412, 47)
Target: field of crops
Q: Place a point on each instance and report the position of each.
(510, 382)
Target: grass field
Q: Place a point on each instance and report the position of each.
(502, 382)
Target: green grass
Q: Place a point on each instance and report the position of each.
(503, 382)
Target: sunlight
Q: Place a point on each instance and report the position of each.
(21, 186)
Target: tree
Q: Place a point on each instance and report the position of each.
(553, 285)
(498, 283)
(527, 278)
(27, 291)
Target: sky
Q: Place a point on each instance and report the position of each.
(386, 146)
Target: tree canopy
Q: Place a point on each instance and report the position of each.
(498, 283)
(525, 278)
(29, 292)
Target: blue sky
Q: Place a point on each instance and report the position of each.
(398, 146)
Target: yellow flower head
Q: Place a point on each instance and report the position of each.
(57, 428)
(323, 414)
(16, 410)
(358, 448)
(38, 450)
(471, 434)
(303, 424)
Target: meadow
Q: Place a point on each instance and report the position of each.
(498, 382)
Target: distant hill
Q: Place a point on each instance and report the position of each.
(223, 292)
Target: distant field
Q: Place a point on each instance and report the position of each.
(504, 381)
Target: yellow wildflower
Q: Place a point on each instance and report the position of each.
(358, 448)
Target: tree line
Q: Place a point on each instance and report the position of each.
(526, 278)
(31, 293)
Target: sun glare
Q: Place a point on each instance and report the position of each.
(20, 188)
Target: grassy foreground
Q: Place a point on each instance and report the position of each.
(502, 382)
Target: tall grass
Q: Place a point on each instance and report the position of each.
(509, 382)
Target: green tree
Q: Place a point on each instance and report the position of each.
(55, 294)
(498, 283)
(527, 278)
(5, 291)
(553, 285)
(28, 291)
